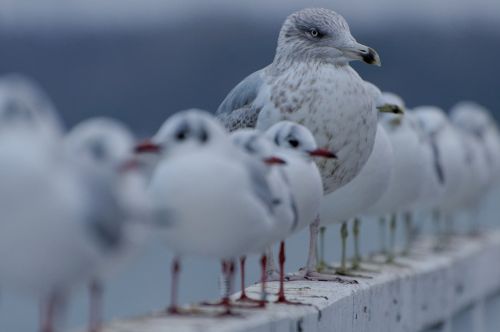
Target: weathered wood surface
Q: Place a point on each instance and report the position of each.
(419, 292)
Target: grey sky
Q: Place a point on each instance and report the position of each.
(99, 13)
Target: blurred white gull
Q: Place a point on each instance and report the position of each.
(212, 198)
(298, 148)
(407, 175)
(478, 130)
(365, 189)
(451, 158)
(433, 185)
(22, 97)
(477, 120)
(105, 146)
(60, 231)
(284, 210)
(310, 82)
(44, 247)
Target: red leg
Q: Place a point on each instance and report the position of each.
(228, 271)
(263, 280)
(281, 293)
(95, 310)
(282, 258)
(243, 296)
(176, 268)
(50, 311)
(47, 315)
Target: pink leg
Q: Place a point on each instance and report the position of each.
(282, 258)
(243, 296)
(228, 271)
(95, 310)
(263, 280)
(50, 310)
(281, 293)
(176, 268)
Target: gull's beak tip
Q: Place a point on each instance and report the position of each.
(325, 153)
(146, 146)
(372, 57)
(274, 161)
(389, 108)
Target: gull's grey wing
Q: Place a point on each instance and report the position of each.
(237, 110)
(293, 203)
(259, 183)
(438, 168)
(105, 219)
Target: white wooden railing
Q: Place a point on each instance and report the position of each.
(427, 291)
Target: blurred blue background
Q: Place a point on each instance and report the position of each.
(140, 61)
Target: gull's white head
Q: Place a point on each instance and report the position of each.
(472, 118)
(430, 119)
(187, 131)
(24, 104)
(293, 136)
(254, 143)
(393, 99)
(322, 35)
(391, 104)
(101, 142)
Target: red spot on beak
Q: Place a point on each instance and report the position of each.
(274, 161)
(147, 147)
(323, 153)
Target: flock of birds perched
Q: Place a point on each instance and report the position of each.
(304, 142)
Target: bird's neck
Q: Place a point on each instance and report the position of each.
(283, 63)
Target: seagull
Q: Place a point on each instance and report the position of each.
(106, 146)
(41, 246)
(208, 197)
(351, 200)
(407, 172)
(310, 82)
(451, 160)
(433, 184)
(284, 211)
(473, 124)
(298, 149)
(65, 230)
(23, 98)
(477, 120)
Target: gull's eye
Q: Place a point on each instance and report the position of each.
(315, 33)
(293, 142)
(250, 148)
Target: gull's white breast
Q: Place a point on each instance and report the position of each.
(212, 209)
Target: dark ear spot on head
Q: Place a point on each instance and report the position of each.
(98, 150)
(277, 139)
(204, 135)
(15, 111)
(250, 144)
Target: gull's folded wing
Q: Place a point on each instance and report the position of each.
(237, 110)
